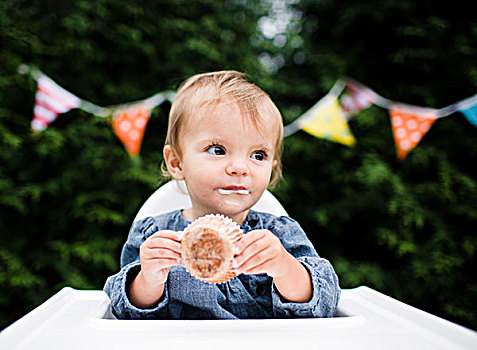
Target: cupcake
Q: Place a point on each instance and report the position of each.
(207, 248)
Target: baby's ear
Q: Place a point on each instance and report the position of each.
(173, 162)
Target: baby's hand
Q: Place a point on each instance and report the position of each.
(158, 254)
(260, 251)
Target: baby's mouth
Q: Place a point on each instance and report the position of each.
(230, 190)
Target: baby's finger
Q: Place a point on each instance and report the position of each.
(248, 240)
(262, 268)
(163, 242)
(164, 263)
(154, 253)
(174, 235)
(245, 262)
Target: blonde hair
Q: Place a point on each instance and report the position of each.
(210, 89)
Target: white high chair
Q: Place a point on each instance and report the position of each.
(173, 195)
(365, 319)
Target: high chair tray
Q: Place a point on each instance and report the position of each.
(78, 319)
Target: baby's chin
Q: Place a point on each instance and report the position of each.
(238, 216)
(232, 203)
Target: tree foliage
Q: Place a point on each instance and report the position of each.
(68, 194)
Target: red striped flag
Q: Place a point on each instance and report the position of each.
(51, 100)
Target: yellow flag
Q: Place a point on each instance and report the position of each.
(328, 121)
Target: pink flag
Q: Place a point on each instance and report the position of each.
(357, 97)
(51, 100)
(409, 126)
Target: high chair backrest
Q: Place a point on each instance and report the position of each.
(173, 195)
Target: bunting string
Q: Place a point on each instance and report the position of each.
(348, 97)
(129, 120)
(326, 119)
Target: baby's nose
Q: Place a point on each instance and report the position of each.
(237, 167)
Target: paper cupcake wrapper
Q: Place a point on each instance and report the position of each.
(207, 247)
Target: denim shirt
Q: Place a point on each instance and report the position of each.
(245, 296)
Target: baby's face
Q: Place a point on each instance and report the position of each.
(226, 161)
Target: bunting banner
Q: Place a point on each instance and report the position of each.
(409, 126)
(409, 123)
(50, 100)
(128, 120)
(129, 124)
(327, 119)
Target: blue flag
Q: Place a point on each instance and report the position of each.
(471, 114)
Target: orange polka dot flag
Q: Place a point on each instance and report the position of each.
(409, 127)
(129, 125)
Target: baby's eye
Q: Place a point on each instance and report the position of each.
(260, 155)
(216, 150)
